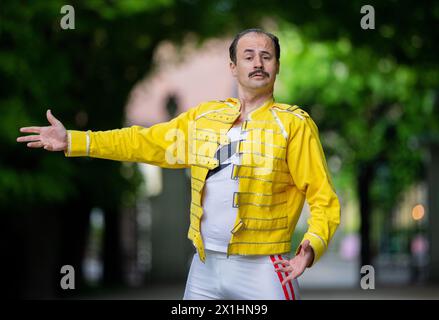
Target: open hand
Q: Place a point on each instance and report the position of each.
(52, 138)
(296, 266)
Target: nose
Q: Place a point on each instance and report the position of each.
(258, 63)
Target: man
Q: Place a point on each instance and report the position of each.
(253, 162)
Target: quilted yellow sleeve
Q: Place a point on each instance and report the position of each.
(164, 144)
(308, 168)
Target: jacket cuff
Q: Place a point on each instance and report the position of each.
(317, 244)
(78, 143)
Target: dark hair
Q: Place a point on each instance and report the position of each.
(232, 48)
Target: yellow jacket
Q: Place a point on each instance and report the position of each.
(282, 163)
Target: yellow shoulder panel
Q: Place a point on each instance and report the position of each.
(293, 109)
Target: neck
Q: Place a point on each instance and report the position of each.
(252, 100)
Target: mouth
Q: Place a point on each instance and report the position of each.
(258, 74)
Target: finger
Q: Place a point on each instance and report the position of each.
(284, 269)
(281, 262)
(29, 138)
(31, 129)
(296, 272)
(305, 244)
(289, 278)
(293, 275)
(38, 144)
(53, 121)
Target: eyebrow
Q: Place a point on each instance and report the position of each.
(252, 51)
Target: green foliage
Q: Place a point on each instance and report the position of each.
(369, 107)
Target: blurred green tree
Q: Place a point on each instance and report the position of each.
(374, 92)
(372, 112)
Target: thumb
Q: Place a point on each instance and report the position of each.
(53, 121)
(305, 246)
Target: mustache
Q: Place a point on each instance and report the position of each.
(251, 74)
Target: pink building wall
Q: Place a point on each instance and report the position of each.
(194, 75)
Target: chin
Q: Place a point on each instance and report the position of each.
(259, 84)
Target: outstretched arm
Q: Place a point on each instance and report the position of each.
(164, 144)
(52, 138)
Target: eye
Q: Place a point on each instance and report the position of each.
(248, 58)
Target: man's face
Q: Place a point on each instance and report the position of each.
(256, 65)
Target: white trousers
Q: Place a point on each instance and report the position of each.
(238, 278)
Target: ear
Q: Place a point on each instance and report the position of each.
(278, 67)
(233, 69)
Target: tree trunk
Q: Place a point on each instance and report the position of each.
(365, 176)
(433, 219)
(74, 223)
(112, 255)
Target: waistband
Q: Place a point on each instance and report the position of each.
(264, 259)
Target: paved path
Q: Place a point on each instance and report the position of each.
(332, 278)
(175, 292)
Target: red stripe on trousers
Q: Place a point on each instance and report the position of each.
(280, 278)
(290, 284)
